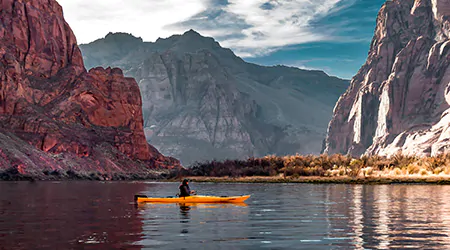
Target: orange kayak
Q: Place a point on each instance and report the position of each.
(193, 199)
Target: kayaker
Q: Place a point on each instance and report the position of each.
(184, 189)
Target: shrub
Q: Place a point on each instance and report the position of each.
(423, 172)
(438, 170)
(322, 165)
(413, 169)
(397, 171)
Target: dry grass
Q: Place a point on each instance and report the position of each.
(327, 166)
(324, 180)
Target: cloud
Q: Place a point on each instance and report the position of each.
(250, 27)
(326, 70)
(305, 64)
(286, 22)
(91, 20)
(258, 27)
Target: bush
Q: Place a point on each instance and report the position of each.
(423, 172)
(397, 171)
(322, 165)
(413, 169)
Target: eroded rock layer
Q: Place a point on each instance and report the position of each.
(399, 100)
(73, 119)
(202, 102)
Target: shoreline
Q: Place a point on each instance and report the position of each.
(327, 180)
(70, 175)
(431, 180)
(261, 180)
(162, 176)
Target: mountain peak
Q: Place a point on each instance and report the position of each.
(189, 34)
(192, 35)
(122, 37)
(189, 42)
(192, 32)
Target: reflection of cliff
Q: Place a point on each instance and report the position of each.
(69, 215)
(382, 217)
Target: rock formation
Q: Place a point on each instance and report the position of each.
(53, 114)
(201, 102)
(399, 100)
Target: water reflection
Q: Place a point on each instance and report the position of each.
(382, 202)
(184, 216)
(184, 210)
(395, 216)
(185, 225)
(67, 215)
(277, 216)
(358, 216)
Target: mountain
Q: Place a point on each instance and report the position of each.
(202, 102)
(399, 100)
(54, 115)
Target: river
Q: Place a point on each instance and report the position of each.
(102, 215)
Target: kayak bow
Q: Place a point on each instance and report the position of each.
(193, 199)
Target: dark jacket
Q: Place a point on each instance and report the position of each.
(184, 190)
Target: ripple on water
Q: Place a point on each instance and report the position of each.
(99, 215)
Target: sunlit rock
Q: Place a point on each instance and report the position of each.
(86, 121)
(399, 100)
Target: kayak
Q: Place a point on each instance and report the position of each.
(189, 205)
(193, 199)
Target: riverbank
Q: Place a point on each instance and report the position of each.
(158, 177)
(327, 180)
(13, 174)
(326, 169)
(253, 179)
(274, 169)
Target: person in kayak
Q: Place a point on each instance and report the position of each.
(184, 189)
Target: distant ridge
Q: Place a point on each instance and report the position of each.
(202, 102)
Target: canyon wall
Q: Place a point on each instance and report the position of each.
(399, 100)
(54, 115)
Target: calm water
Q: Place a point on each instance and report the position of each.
(94, 215)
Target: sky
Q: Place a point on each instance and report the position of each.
(329, 35)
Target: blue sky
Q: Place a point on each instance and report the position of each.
(330, 35)
(353, 28)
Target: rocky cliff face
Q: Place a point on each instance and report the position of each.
(399, 100)
(201, 102)
(53, 114)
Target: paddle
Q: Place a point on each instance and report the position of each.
(193, 192)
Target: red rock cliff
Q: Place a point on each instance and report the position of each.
(399, 100)
(48, 100)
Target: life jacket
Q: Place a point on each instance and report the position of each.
(184, 190)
